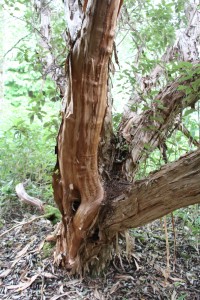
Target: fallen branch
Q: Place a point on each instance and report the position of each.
(24, 197)
(48, 211)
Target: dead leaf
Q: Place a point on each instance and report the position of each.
(98, 295)
(115, 287)
(125, 277)
(48, 275)
(176, 279)
(39, 248)
(24, 250)
(15, 261)
(23, 285)
(173, 297)
(21, 253)
(5, 273)
(60, 290)
(59, 296)
(73, 282)
(155, 288)
(137, 266)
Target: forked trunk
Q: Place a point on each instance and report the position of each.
(93, 211)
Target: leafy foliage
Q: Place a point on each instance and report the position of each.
(30, 109)
(26, 153)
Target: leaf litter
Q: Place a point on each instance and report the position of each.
(25, 273)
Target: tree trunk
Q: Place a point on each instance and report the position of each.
(49, 61)
(78, 189)
(93, 210)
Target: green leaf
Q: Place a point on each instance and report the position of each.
(189, 111)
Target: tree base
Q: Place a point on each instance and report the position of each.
(94, 254)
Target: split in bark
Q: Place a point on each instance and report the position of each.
(78, 189)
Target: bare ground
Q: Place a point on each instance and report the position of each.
(27, 270)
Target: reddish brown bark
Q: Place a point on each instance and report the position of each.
(174, 186)
(77, 185)
(90, 216)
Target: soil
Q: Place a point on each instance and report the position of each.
(140, 272)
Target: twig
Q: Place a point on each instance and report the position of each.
(15, 45)
(174, 233)
(18, 225)
(186, 132)
(167, 273)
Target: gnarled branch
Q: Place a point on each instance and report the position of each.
(174, 186)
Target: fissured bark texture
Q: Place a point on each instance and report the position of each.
(77, 185)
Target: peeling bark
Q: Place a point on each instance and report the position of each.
(49, 61)
(143, 133)
(92, 215)
(78, 189)
(174, 186)
(185, 48)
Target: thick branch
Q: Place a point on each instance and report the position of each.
(145, 132)
(176, 185)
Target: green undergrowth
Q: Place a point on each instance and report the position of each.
(26, 153)
(52, 213)
(47, 249)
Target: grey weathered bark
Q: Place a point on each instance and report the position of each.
(50, 64)
(148, 130)
(184, 49)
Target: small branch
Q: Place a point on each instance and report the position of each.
(23, 38)
(24, 197)
(21, 224)
(151, 127)
(186, 132)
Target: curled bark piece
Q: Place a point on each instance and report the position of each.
(24, 197)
